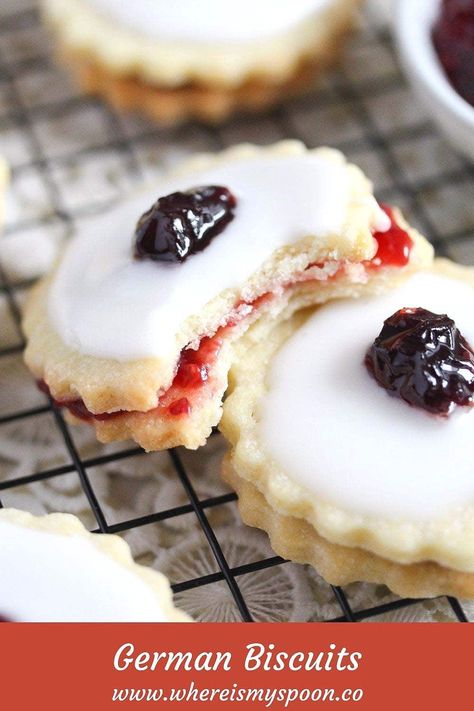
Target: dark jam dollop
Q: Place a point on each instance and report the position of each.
(394, 245)
(422, 358)
(183, 223)
(453, 38)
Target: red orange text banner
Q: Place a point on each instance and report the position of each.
(294, 666)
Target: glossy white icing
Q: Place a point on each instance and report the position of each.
(58, 578)
(209, 20)
(104, 303)
(335, 431)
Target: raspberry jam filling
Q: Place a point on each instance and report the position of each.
(195, 366)
(183, 223)
(453, 38)
(394, 245)
(194, 370)
(192, 373)
(422, 358)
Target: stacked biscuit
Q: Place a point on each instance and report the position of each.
(173, 61)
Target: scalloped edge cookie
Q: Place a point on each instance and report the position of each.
(132, 390)
(109, 545)
(447, 543)
(295, 539)
(172, 81)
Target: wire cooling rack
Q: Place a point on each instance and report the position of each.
(364, 109)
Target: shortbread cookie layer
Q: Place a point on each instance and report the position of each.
(194, 412)
(171, 67)
(114, 339)
(56, 571)
(295, 539)
(213, 104)
(363, 469)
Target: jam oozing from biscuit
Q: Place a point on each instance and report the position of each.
(394, 245)
(453, 38)
(422, 358)
(193, 371)
(183, 223)
(180, 407)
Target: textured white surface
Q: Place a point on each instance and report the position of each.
(56, 578)
(105, 303)
(335, 431)
(208, 20)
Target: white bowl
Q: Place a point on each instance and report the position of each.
(414, 20)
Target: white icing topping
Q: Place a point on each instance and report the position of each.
(104, 303)
(60, 578)
(209, 20)
(335, 431)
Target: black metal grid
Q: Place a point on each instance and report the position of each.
(342, 90)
